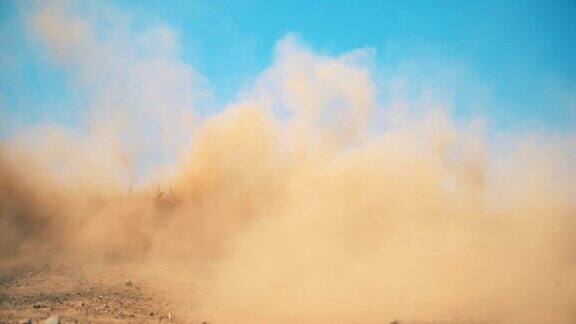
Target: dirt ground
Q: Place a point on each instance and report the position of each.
(122, 292)
(85, 294)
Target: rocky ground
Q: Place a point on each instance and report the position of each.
(34, 293)
(123, 292)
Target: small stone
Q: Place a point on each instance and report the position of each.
(151, 314)
(26, 321)
(129, 283)
(54, 319)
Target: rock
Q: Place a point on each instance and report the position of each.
(129, 283)
(151, 314)
(54, 319)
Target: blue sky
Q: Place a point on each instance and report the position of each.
(513, 62)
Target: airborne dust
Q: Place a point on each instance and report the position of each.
(307, 200)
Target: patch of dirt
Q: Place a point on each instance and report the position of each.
(81, 294)
(122, 292)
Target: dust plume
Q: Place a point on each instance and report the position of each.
(307, 200)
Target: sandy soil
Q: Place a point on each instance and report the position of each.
(122, 292)
(86, 294)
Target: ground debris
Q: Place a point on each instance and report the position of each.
(54, 319)
(88, 294)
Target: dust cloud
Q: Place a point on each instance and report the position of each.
(294, 204)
